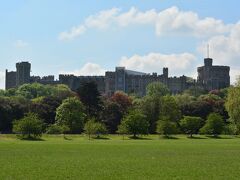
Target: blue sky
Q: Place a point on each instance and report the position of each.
(89, 37)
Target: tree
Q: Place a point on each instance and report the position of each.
(157, 89)
(111, 115)
(11, 108)
(150, 107)
(233, 105)
(191, 124)
(35, 90)
(114, 109)
(46, 107)
(71, 114)
(197, 108)
(151, 104)
(135, 123)
(170, 109)
(166, 127)
(214, 125)
(123, 100)
(90, 97)
(122, 129)
(94, 128)
(29, 127)
(100, 129)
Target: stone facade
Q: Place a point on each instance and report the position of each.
(213, 77)
(209, 77)
(136, 82)
(22, 76)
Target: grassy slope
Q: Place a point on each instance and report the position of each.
(78, 158)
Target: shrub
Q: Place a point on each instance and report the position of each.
(54, 129)
(214, 125)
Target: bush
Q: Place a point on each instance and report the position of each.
(214, 125)
(230, 129)
(166, 127)
(29, 127)
(56, 129)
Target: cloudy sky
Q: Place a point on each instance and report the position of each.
(89, 37)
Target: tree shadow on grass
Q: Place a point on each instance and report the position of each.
(196, 137)
(101, 138)
(67, 138)
(139, 138)
(30, 139)
(220, 137)
(168, 137)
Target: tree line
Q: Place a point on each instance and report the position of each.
(33, 109)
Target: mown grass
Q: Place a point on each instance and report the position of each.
(78, 158)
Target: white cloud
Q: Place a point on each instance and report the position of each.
(20, 44)
(225, 50)
(103, 19)
(2, 80)
(74, 32)
(90, 69)
(168, 21)
(154, 62)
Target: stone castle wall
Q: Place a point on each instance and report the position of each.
(209, 77)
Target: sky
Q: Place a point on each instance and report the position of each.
(91, 37)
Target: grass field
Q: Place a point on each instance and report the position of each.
(152, 158)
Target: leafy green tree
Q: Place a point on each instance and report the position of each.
(150, 107)
(197, 108)
(170, 109)
(157, 89)
(29, 127)
(151, 104)
(122, 129)
(71, 114)
(191, 124)
(100, 129)
(89, 128)
(91, 98)
(135, 123)
(94, 128)
(11, 108)
(35, 90)
(233, 105)
(46, 107)
(214, 125)
(166, 127)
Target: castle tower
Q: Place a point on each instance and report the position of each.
(23, 73)
(10, 79)
(165, 72)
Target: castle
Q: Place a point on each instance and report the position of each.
(209, 77)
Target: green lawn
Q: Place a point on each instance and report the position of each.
(153, 158)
